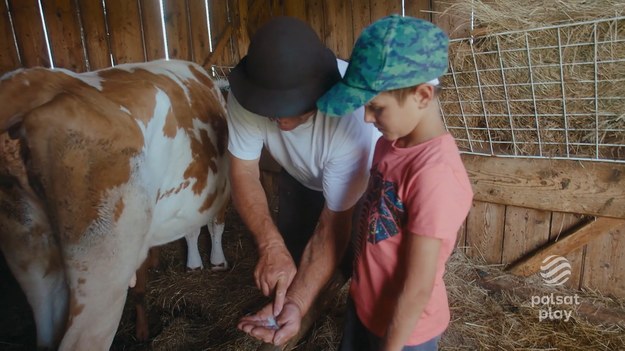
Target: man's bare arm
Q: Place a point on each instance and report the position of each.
(275, 268)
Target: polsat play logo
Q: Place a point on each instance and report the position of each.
(555, 270)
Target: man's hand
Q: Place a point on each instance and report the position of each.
(274, 273)
(261, 326)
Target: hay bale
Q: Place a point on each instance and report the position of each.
(555, 92)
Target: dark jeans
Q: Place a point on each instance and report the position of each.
(298, 215)
(356, 337)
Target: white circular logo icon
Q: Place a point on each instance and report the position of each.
(555, 270)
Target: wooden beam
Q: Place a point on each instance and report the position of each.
(531, 264)
(221, 44)
(593, 188)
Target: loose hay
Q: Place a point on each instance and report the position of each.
(200, 310)
(557, 92)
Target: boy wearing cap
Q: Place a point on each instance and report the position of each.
(325, 162)
(419, 192)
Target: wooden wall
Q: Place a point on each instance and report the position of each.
(92, 34)
(524, 209)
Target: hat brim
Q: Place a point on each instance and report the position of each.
(278, 103)
(343, 99)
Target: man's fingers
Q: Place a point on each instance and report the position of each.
(278, 302)
(263, 334)
(265, 288)
(283, 335)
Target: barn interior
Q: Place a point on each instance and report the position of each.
(534, 96)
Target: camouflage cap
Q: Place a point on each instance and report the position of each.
(393, 52)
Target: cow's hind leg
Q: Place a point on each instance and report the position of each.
(137, 294)
(35, 261)
(98, 282)
(194, 260)
(47, 295)
(216, 228)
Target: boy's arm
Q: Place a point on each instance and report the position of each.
(419, 260)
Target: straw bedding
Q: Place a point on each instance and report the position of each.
(199, 310)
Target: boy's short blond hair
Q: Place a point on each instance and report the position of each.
(402, 93)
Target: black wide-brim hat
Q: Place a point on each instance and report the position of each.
(286, 70)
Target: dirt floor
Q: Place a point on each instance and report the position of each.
(199, 310)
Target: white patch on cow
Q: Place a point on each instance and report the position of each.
(172, 69)
(11, 73)
(162, 174)
(124, 109)
(89, 78)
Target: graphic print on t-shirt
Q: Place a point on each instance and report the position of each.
(381, 214)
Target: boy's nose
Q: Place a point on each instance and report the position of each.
(369, 118)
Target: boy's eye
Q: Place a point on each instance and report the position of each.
(375, 109)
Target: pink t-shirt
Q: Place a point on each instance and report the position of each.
(423, 190)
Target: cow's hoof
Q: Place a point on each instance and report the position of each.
(194, 269)
(219, 267)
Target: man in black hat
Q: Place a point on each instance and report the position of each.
(325, 163)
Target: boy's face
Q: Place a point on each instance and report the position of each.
(395, 119)
(392, 118)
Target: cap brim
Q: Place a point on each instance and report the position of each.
(343, 99)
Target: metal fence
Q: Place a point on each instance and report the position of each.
(551, 92)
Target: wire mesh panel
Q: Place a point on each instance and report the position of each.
(551, 92)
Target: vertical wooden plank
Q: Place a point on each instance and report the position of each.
(485, 228)
(561, 223)
(177, 29)
(455, 25)
(259, 12)
(199, 31)
(64, 34)
(338, 27)
(241, 27)
(277, 8)
(29, 32)
(218, 22)
(419, 9)
(461, 242)
(124, 25)
(605, 263)
(525, 230)
(295, 8)
(382, 8)
(315, 16)
(234, 46)
(361, 17)
(94, 29)
(152, 29)
(9, 58)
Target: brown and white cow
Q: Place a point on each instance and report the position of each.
(95, 169)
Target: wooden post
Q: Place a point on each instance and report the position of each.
(97, 42)
(152, 30)
(9, 58)
(125, 29)
(64, 34)
(29, 32)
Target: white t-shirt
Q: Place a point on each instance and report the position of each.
(329, 154)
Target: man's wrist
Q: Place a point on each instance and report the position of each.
(271, 242)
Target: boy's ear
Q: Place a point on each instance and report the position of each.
(423, 94)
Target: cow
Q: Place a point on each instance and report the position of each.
(96, 168)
